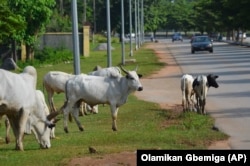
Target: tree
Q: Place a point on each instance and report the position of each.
(12, 27)
(10, 24)
(155, 15)
(36, 15)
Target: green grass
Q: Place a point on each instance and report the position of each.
(141, 125)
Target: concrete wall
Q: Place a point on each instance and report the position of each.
(59, 40)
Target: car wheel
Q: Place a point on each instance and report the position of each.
(211, 51)
(192, 51)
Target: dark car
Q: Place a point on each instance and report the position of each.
(201, 43)
(177, 36)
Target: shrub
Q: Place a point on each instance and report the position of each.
(48, 56)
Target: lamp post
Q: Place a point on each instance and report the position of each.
(109, 60)
(130, 28)
(122, 32)
(142, 22)
(136, 46)
(75, 37)
(138, 24)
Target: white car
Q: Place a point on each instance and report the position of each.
(132, 35)
(244, 35)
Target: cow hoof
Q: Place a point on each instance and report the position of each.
(7, 140)
(66, 130)
(114, 129)
(81, 128)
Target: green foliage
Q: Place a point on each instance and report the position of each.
(49, 56)
(36, 15)
(54, 56)
(11, 25)
(103, 39)
(59, 23)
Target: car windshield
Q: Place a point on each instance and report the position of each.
(177, 34)
(201, 39)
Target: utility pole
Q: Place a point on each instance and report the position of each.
(130, 28)
(109, 60)
(75, 37)
(136, 37)
(122, 33)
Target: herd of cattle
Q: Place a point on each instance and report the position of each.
(26, 110)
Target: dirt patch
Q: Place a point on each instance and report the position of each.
(159, 83)
(121, 159)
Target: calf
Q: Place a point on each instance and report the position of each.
(187, 92)
(201, 84)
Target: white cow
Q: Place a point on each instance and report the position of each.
(29, 126)
(187, 92)
(106, 72)
(54, 82)
(18, 101)
(99, 90)
(201, 84)
(43, 107)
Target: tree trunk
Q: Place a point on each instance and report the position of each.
(29, 52)
(14, 51)
(61, 7)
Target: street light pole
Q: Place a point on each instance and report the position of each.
(122, 32)
(136, 37)
(142, 22)
(109, 60)
(139, 24)
(75, 37)
(130, 27)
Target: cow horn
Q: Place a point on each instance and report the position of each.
(53, 115)
(124, 70)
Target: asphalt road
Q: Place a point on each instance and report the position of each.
(230, 103)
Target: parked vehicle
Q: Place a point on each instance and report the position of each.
(176, 37)
(242, 35)
(132, 35)
(201, 43)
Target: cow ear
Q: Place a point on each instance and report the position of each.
(139, 75)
